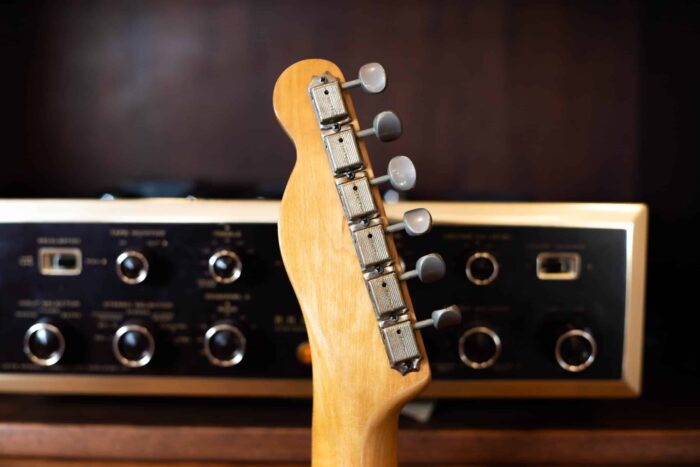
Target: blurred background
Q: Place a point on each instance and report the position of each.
(535, 101)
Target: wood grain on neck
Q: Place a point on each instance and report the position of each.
(357, 396)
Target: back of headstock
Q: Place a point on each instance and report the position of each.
(368, 358)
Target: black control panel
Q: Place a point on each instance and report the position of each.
(213, 300)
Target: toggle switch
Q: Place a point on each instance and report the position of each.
(372, 78)
(401, 173)
(386, 127)
(415, 222)
(441, 319)
(429, 268)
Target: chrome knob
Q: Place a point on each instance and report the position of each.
(44, 344)
(224, 345)
(225, 266)
(482, 268)
(575, 350)
(479, 347)
(133, 345)
(132, 267)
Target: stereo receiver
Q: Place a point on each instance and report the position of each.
(190, 297)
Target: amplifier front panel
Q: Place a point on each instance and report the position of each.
(222, 317)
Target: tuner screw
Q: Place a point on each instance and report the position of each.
(386, 127)
(132, 267)
(429, 268)
(401, 173)
(441, 319)
(415, 222)
(44, 344)
(225, 266)
(372, 78)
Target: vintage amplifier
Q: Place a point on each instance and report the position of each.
(190, 297)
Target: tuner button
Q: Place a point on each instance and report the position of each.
(429, 268)
(479, 347)
(441, 319)
(482, 268)
(386, 127)
(132, 267)
(224, 345)
(575, 350)
(44, 344)
(372, 78)
(133, 345)
(401, 174)
(225, 266)
(415, 222)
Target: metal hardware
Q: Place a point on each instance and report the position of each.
(327, 100)
(415, 222)
(357, 200)
(46, 328)
(236, 356)
(587, 336)
(371, 247)
(386, 126)
(429, 268)
(401, 346)
(372, 78)
(401, 173)
(147, 353)
(386, 296)
(342, 151)
(441, 319)
(479, 365)
(355, 192)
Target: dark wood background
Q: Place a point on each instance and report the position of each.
(523, 100)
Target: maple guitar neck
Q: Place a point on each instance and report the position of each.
(368, 359)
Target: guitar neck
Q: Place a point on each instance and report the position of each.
(345, 434)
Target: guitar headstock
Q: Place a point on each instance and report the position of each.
(337, 245)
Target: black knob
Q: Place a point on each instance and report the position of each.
(575, 350)
(479, 347)
(224, 345)
(225, 266)
(482, 268)
(133, 345)
(132, 267)
(44, 344)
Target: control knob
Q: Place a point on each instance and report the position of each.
(44, 343)
(575, 350)
(132, 267)
(133, 345)
(225, 266)
(224, 345)
(479, 347)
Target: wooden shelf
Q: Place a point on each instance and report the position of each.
(235, 430)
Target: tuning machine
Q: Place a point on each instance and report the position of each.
(386, 126)
(372, 79)
(441, 319)
(401, 173)
(415, 222)
(429, 268)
